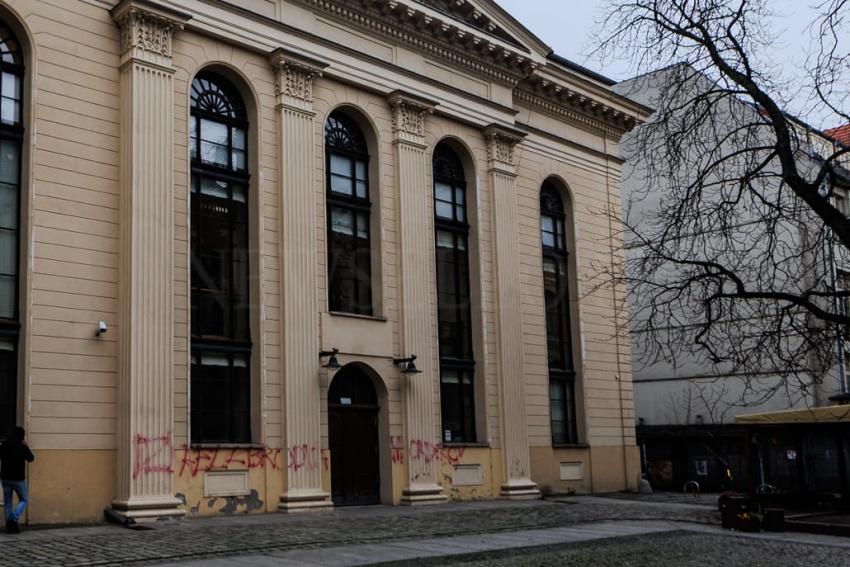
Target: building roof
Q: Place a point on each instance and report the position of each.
(840, 134)
(826, 414)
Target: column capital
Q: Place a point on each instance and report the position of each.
(501, 142)
(409, 116)
(293, 78)
(147, 31)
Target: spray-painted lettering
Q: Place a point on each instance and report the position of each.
(194, 461)
(419, 449)
(151, 455)
(304, 456)
(397, 449)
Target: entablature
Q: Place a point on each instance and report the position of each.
(583, 102)
(437, 34)
(525, 76)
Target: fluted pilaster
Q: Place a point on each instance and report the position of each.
(145, 392)
(416, 271)
(299, 258)
(503, 172)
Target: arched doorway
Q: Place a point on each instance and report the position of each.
(353, 438)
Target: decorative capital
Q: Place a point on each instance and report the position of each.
(293, 78)
(147, 30)
(409, 116)
(501, 143)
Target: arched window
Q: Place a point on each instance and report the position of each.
(348, 211)
(557, 296)
(457, 363)
(221, 337)
(11, 140)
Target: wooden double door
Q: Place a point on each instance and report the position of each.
(353, 439)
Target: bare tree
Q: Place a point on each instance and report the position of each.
(730, 233)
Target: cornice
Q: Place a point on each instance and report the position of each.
(434, 34)
(580, 109)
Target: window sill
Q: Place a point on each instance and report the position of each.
(570, 446)
(469, 445)
(356, 316)
(227, 446)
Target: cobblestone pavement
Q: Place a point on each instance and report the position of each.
(671, 549)
(193, 539)
(667, 498)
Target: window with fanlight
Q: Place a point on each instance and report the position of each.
(11, 149)
(457, 361)
(348, 213)
(220, 294)
(557, 302)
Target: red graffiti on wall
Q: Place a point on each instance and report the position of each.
(304, 456)
(223, 458)
(397, 449)
(420, 449)
(150, 450)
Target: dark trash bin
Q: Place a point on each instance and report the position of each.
(732, 507)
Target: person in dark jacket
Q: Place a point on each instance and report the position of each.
(14, 454)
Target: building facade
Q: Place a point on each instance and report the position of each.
(686, 406)
(285, 254)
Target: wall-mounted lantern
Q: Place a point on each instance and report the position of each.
(409, 364)
(332, 363)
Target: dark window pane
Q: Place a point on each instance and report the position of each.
(457, 392)
(220, 397)
(556, 298)
(10, 161)
(193, 138)
(11, 95)
(349, 247)
(238, 139)
(8, 384)
(220, 271)
(342, 222)
(444, 210)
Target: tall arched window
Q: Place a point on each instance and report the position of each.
(221, 337)
(348, 206)
(557, 296)
(11, 140)
(457, 362)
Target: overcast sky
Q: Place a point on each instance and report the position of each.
(567, 26)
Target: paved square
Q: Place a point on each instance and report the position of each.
(537, 532)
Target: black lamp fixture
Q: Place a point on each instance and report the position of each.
(332, 363)
(409, 364)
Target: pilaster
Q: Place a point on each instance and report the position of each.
(299, 259)
(416, 269)
(145, 389)
(502, 170)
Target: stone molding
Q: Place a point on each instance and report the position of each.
(408, 112)
(293, 78)
(501, 144)
(580, 110)
(147, 31)
(434, 34)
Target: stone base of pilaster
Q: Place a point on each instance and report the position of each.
(520, 489)
(423, 495)
(148, 509)
(304, 500)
